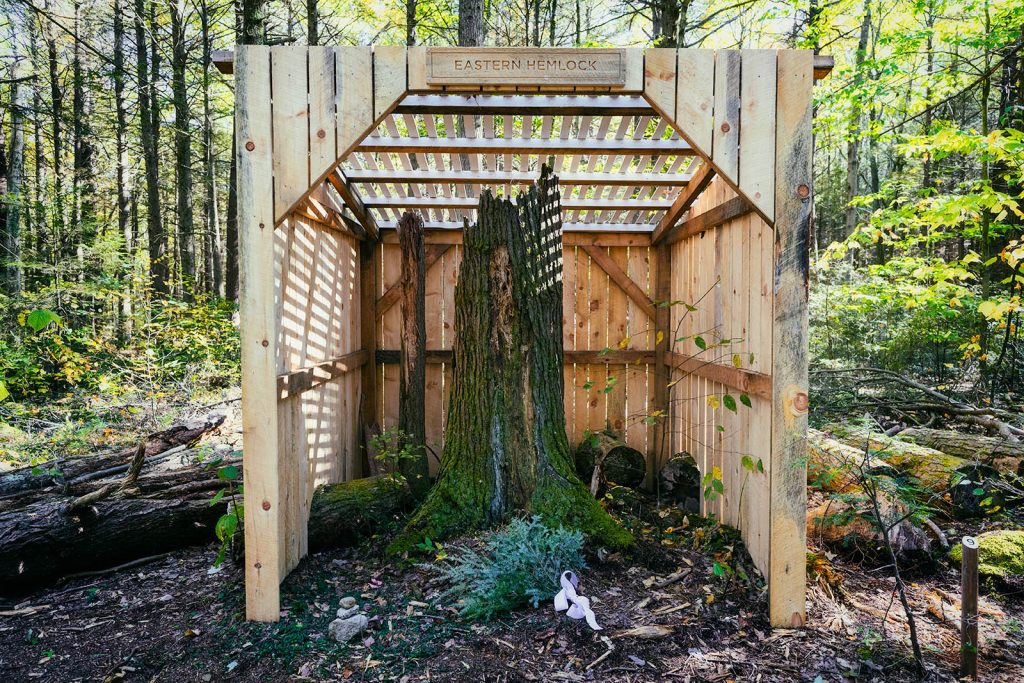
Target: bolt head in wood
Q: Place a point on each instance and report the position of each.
(266, 505)
(250, 145)
(726, 127)
(321, 133)
(800, 402)
(264, 343)
(803, 191)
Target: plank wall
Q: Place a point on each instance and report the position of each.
(317, 295)
(725, 274)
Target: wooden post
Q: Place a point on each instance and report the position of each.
(368, 338)
(787, 576)
(264, 554)
(662, 358)
(969, 608)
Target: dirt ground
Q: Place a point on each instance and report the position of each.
(667, 616)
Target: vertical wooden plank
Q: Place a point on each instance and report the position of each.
(391, 335)
(291, 126)
(353, 106)
(787, 580)
(662, 346)
(258, 333)
(367, 298)
(598, 374)
(757, 132)
(322, 118)
(569, 332)
(417, 68)
(695, 97)
(389, 74)
(727, 113)
(582, 316)
(660, 80)
(641, 338)
(618, 333)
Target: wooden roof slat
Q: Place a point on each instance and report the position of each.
(610, 204)
(614, 105)
(568, 227)
(428, 175)
(543, 147)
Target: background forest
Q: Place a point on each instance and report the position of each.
(118, 239)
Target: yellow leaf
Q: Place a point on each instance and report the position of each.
(737, 360)
(716, 472)
(714, 402)
(659, 337)
(625, 342)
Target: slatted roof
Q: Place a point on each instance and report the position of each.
(620, 164)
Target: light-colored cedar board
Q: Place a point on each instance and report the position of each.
(757, 139)
(731, 208)
(695, 97)
(322, 118)
(304, 379)
(727, 114)
(787, 577)
(540, 145)
(390, 297)
(670, 221)
(660, 79)
(582, 336)
(389, 78)
(291, 127)
(452, 263)
(640, 338)
(614, 269)
(390, 337)
(618, 332)
(598, 374)
(569, 334)
(263, 532)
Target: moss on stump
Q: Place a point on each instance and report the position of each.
(1000, 553)
(505, 449)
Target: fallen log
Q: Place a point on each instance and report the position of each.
(602, 458)
(944, 479)
(1006, 456)
(62, 471)
(43, 541)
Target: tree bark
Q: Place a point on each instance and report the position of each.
(158, 266)
(213, 273)
(471, 23)
(183, 149)
(413, 378)
(506, 450)
(124, 224)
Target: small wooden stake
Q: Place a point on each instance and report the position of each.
(969, 608)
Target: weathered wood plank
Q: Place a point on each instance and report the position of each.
(389, 78)
(723, 213)
(423, 176)
(695, 97)
(619, 277)
(794, 151)
(727, 114)
(299, 381)
(263, 532)
(660, 80)
(291, 121)
(322, 117)
(391, 296)
(538, 146)
(668, 223)
(757, 132)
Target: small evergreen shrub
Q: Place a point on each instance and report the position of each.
(521, 564)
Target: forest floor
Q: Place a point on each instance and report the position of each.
(666, 616)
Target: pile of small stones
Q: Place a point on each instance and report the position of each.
(350, 621)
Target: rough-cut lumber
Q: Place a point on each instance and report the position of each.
(298, 381)
(721, 214)
(432, 255)
(538, 105)
(423, 176)
(746, 381)
(669, 223)
(536, 146)
(599, 256)
(413, 366)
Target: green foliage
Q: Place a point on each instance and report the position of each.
(394, 448)
(521, 564)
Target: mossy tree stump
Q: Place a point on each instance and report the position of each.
(505, 447)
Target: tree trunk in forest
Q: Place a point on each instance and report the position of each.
(59, 220)
(158, 266)
(124, 225)
(413, 371)
(254, 22)
(183, 149)
(213, 273)
(410, 23)
(853, 129)
(231, 230)
(471, 23)
(313, 23)
(10, 205)
(505, 449)
(83, 176)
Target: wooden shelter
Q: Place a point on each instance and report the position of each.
(686, 203)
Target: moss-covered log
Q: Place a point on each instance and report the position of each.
(505, 447)
(346, 513)
(1005, 455)
(615, 462)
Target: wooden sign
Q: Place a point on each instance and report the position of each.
(526, 66)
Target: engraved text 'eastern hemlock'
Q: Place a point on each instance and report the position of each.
(525, 66)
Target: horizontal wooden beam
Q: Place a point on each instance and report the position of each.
(668, 223)
(596, 105)
(538, 146)
(298, 381)
(473, 202)
(425, 176)
(456, 226)
(224, 60)
(751, 383)
(612, 357)
(354, 202)
(712, 218)
(569, 239)
(599, 256)
(433, 254)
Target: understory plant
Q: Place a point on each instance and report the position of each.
(520, 563)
